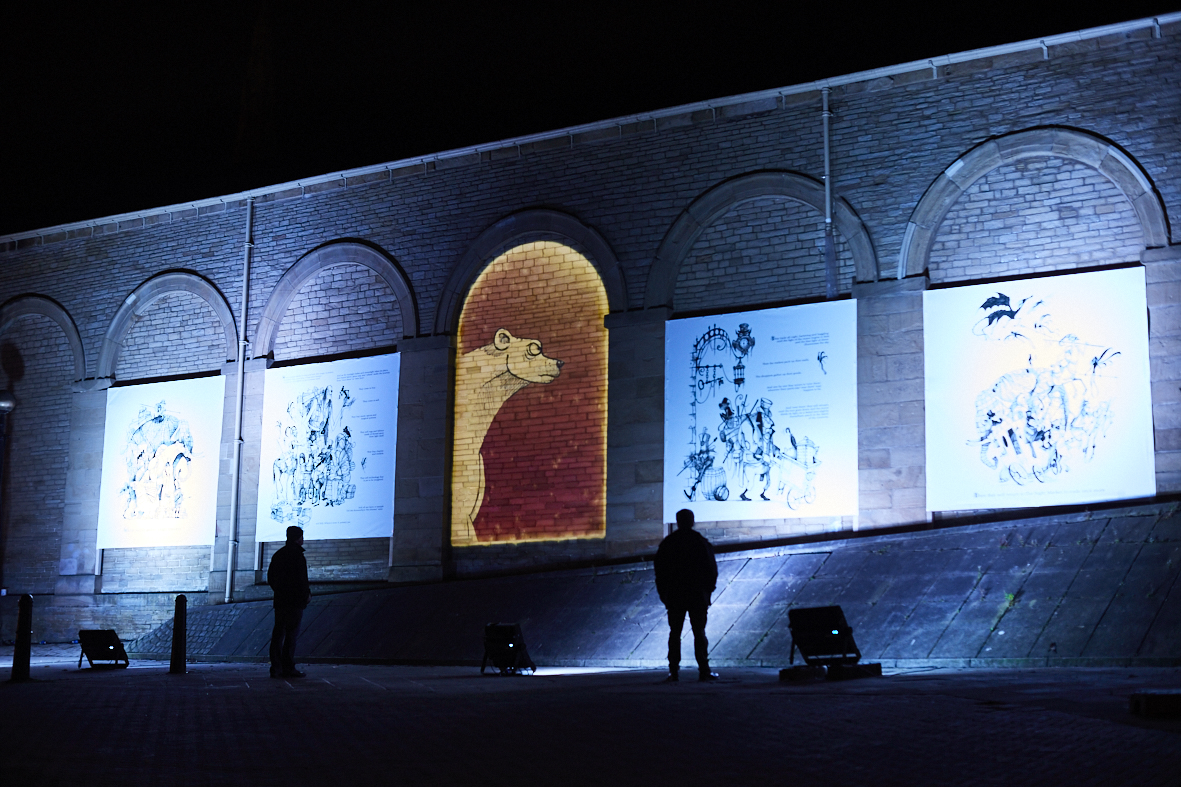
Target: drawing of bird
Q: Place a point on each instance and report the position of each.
(996, 315)
(1000, 300)
(1102, 359)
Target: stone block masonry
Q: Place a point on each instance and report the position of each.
(36, 452)
(345, 308)
(1004, 166)
(1038, 214)
(1088, 590)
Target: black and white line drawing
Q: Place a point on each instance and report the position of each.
(157, 454)
(747, 456)
(315, 462)
(821, 357)
(1036, 422)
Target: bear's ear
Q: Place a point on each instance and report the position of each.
(502, 339)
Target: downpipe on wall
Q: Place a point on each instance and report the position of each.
(831, 284)
(239, 396)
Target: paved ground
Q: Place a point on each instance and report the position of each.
(345, 724)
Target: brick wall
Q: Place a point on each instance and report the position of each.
(338, 559)
(1038, 214)
(37, 366)
(344, 308)
(155, 569)
(179, 334)
(761, 251)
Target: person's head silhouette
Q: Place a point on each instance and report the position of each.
(685, 518)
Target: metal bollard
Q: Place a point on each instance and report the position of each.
(179, 638)
(24, 640)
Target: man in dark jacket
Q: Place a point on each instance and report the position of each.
(288, 578)
(686, 575)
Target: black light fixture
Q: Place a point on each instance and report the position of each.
(825, 640)
(504, 646)
(103, 646)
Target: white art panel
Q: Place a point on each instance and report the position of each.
(1038, 392)
(329, 433)
(760, 414)
(161, 453)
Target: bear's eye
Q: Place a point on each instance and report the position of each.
(533, 350)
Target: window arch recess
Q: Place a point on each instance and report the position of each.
(137, 303)
(525, 227)
(1081, 146)
(714, 203)
(344, 252)
(24, 305)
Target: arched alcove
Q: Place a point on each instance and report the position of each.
(137, 305)
(530, 437)
(37, 304)
(1087, 149)
(679, 241)
(526, 227)
(42, 357)
(340, 253)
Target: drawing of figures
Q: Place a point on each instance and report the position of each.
(157, 454)
(1033, 423)
(701, 463)
(731, 434)
(798, 472)
(751, 460)
(315, 462)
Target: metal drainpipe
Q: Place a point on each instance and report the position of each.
(239, 396)
(831, 284)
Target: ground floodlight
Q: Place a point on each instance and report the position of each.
(825, 640)
(822, 635)
(504, 646)
(102, 646)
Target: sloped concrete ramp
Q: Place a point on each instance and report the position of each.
(1086, 589)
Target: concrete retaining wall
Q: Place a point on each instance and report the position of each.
(1085, 589)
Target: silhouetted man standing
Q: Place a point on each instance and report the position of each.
(686, 575)
(288, 578)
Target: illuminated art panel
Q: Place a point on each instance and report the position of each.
(161, 451)
(760, 414)
(530, 444)
(329, 432)
(1038, 392)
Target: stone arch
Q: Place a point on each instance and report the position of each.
(1083, 147)
(529, 458)
(137, 303)
(525, 227)
(309, 266)
(713, 204)
(37, 304)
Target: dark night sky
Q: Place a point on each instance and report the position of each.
(109, 111)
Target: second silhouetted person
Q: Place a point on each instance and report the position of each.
(288, 578)
(686, 575)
